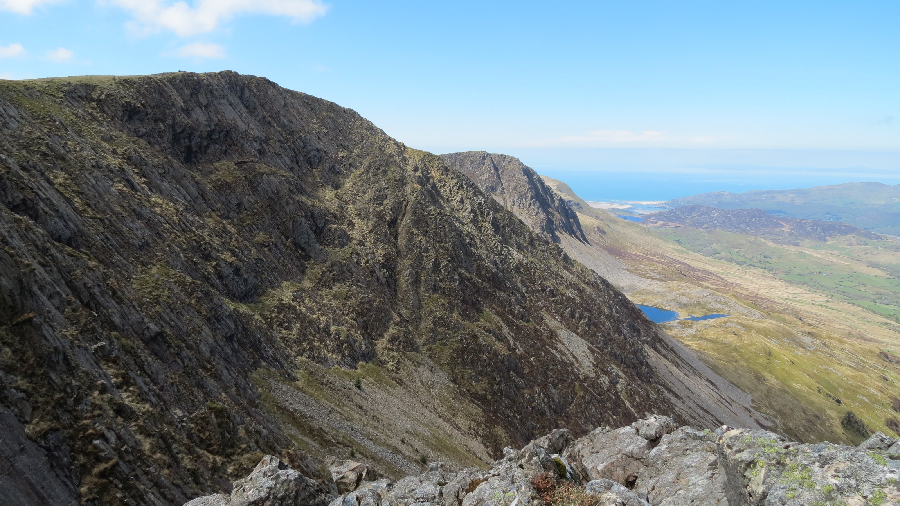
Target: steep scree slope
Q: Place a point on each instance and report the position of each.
(182, 254)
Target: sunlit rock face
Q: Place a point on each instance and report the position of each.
(651, 462)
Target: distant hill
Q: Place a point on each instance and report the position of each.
(755, 222)
(871, 206)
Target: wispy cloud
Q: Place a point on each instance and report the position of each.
(22, 6)
(151, 16)
(201, 50)
(632, 139)
(7, 75)
(887, 120)
(607, 137)
(624, 136)
(12, 50)
(60, 54)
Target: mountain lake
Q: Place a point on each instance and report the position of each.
(658, 315)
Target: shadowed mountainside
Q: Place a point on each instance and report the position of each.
(199, 269)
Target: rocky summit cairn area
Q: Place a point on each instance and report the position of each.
(650, 462)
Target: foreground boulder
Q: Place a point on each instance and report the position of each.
(652, 462)
(272, 483)
(347, 474)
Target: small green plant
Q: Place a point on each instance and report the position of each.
(561, 468)
(423, 460)
(878, 498)
(352, 453)
(215, 407)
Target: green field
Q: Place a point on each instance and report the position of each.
(849, 269)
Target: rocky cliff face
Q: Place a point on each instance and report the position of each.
(651, 462)
(547, 206)
(520, 190)
(201, 269)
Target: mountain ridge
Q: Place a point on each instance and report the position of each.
(519, 189)
(201, 268)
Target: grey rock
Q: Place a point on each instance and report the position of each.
(764, 468)
(894, 451)
(272, 483)
(877, 442)
(439, 486)
(683, 470)
(347, 474)
(210, 500)
(616, 455)
(688, 467)
(654, 427)
(610, 493)
(511, 480)
(372, 493)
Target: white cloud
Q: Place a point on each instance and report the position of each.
(205, 16)
(60, 54)
(7, 75)
(22, 6)
(12, 50)
(201, 50)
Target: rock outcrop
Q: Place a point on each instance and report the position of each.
(520, 190)
(654, 463)
(272, 483)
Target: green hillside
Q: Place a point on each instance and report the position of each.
(812, 331)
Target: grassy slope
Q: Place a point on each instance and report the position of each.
(796, 341)
(850, 269)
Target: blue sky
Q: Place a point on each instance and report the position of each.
(771, 93)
